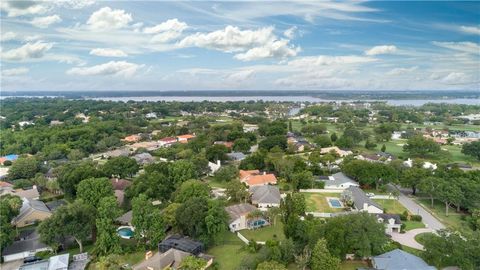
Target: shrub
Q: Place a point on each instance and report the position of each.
(44, 254)
(7, 163)
(416, 218)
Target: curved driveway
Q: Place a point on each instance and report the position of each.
(408, 238)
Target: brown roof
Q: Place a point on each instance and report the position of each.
(5, 184)
(120, 184)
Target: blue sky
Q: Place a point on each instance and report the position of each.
(207, 45)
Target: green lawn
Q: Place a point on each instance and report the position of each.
(266, 233)
(229, 254)
(394, 147)
(453, 220)
(413, 251)
(317, 202)
(352, 265)
(420, 238)
(391, 206)
(410, 225)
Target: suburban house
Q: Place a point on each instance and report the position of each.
(126, 219)
(171, 259)
(144, 158)
(229, 145)
(399, 260)
(167, 141)
(5, 188)
(239, 219)
(181, 243)
(339, 181)
(120, 152)
(59, 262)
(54, 205)
(185, 138)
(392, 222)
(31, 194)
(119, 186)
(249, 128)
(236, 156)
(31, 211)
(361, 202)
(27, 246)
(338, 151)
(214, 166)
(132, 138)
(255, 178)
(265, 196)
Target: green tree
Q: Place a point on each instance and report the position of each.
(9, 209)
(384, 148)
(190, 217)
(242, 145)
(24, 168)
(70, 174)
(121, 167)
(192, 263)
(334, 137)
(421, 147)
(323, 141)
(226, 174)
(321, 257)
(472, 149)
(272, 141)
(216, 220)
(302, 180)
(412, 177)
(190, 189)
(108, 241)
(449, 193)
(147, 220)
(216, 152)
(271, 265)
(92, 190)
(429, 185)
(237, 191)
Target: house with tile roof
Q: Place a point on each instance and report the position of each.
(31, 211)
(266, 196)
(256, 178)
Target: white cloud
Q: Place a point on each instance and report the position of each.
(401, 71)
(15, 71)
(74, 4)
(27, 51)
(249, 44)
(327, 60)
(15, 8)
(240, 76)
(8, 36)
(166, 31)
(112, 68)
(466, 46)
(457, 78)
(107, 18)
(382, 49)
(44, 22)
(108, 52)
(475, 30)
(290, 32)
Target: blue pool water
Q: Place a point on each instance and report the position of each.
(125, 232)
(335, 203)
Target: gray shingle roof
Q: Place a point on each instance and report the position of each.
(238, 210)
(31, 244)
(360, 198)
(386, 217)
(400, 260)
(29, 206)
(265, 194)
(236, 155)
(340, 178)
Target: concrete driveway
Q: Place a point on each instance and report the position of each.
(408, 238)
(14, 265)
(416, 209)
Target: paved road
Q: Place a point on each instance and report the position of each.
(416, 209)
(408, 238)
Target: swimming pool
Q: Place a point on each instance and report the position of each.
(335, 203)
(125, 232)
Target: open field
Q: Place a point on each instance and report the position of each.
(317, 202)
(266, 233)
(453, 220)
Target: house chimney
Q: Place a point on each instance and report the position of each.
(264, 173)
(218, 162)
(116, 180)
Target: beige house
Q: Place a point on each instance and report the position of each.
(31, 211)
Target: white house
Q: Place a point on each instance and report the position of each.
(339, 181)
(214, 167)
(265, 196)
(239, 217)
(392, 222)
(361, 202)
(26, 247)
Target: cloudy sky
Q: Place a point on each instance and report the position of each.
(181, 45)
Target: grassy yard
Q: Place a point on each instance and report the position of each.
(352, 265)
(229, 254)
(317, 202)
(413, 251)
(266, 233)
(394, 147)
(410, 225)
(391, 206)
(453, 220)
(420, 238)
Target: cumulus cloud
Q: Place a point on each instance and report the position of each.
(327, 60)
(457, 78)
(166, 31)
(475, 30)
(27, 51)
(15, 71)
(240, 76)
(108, 52)
(466, 46)
(74, 4)
(290, 32)
(44, 22)
(112, 68)
(107, 18)
(382, 49)
(401, 71)
(8, 36)
(249, 44)
(15, 8)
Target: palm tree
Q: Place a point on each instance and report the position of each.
(272, 214)
(303, 259)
